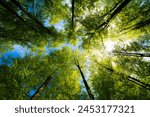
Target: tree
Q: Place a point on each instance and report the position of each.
(109, 84)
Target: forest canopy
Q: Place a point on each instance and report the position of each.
(74, 49)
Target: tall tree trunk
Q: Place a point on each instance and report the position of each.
(84, 80)
(119, 8)
(146, 86)
(73, 14)
(43, 85)
(133, 54)
(115, 10)
(86, 84)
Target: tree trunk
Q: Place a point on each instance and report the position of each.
(44, 84)
(86, 84)
(120, 7)
(114, 11)
(72, 14)
(133, 54)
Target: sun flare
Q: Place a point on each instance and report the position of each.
(109, 45)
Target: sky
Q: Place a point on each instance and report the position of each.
(18, 51)
(59, 26)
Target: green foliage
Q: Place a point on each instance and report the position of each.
(110, 85)
(85, 28)
(27, 73)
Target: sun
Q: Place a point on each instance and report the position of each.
(109, 45)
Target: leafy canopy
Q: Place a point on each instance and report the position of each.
(89, 49)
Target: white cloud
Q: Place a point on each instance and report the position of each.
(22, 51)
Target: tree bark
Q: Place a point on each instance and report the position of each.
(119, 8)
(84, 80)
(43, 85)
(133, 54)
(73, 14)
(86, 84)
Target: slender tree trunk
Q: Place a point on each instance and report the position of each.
(84, 80)
(120, 7)
(133, 54)
(72, 14)
(115, 10)
(138, 83)
(44, 84)
(86, 84)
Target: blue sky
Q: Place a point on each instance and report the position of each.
(59, 26)
(18, 51)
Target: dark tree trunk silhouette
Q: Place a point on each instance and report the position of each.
(84, 80)
(115, 10)
(43, 85)
(138, 25)
(72, 14)
(119, 8)
(137, 54)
